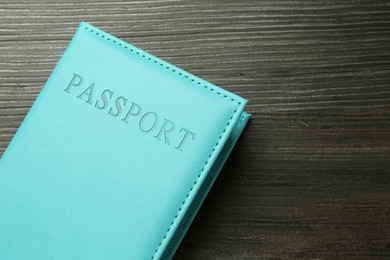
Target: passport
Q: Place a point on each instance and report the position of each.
(115, 156)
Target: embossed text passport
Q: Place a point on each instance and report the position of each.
(115, 156)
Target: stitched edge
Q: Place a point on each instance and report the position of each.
(191, 79)
(157, 62)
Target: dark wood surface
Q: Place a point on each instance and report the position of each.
(310, 177)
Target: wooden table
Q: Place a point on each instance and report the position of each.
(310, 177)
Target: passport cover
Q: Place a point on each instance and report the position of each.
(115, 156)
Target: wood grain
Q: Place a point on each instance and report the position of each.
(310, 177)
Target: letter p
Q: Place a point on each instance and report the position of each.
(77, 80)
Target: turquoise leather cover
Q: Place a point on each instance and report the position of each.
(115, 156)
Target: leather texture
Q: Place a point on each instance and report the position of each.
(115, 156)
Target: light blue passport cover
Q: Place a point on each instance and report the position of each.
(115, 156)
